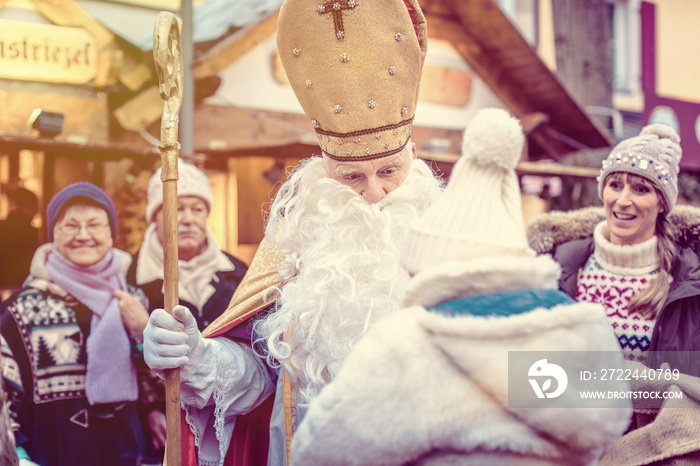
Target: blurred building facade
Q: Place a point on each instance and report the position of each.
(90, 62)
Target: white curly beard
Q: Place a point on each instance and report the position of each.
(343, 253)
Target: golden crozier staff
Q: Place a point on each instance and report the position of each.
(167, 55)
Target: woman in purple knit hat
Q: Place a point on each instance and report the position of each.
(71, 341)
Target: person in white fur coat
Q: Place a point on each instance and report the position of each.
(429, 383)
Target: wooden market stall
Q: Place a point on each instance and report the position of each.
(110, 111)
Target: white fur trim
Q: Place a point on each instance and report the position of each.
(421, 382)
(457, 279)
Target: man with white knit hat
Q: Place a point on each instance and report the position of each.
(429, 383)
(207, 276)
(328, 268)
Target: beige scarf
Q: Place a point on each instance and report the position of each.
(196, 274)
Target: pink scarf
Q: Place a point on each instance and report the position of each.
(111, 375)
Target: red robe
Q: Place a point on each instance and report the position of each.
(251, 436)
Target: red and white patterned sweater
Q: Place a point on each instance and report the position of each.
(612, 275)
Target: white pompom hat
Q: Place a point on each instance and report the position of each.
(480, 212)
(191, 182)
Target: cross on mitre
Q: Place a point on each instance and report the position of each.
(336, 9)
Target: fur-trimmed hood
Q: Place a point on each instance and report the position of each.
(422, 383)
(548, 230)
(457, 279)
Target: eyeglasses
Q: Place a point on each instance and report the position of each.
(72, 229)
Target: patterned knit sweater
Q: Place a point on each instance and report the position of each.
(612, 275)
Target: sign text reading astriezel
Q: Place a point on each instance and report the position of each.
(39, 52)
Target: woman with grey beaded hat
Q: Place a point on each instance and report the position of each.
(640, 261)
(70, 341)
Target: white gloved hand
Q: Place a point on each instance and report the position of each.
(169, 341)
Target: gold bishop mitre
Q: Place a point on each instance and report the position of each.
(355, 66)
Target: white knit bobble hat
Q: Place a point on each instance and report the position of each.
(480, 212)
(191, 182)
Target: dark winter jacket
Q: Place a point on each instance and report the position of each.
(148, 275)
(224, 284)
(568, 237)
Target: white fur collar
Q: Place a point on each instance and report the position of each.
(478, 347)
(458, 279)
(420, 382)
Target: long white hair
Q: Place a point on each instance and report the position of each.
(343, 253)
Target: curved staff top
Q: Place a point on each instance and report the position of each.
(167, 55)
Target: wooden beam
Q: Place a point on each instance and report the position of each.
(553, 148)
(145, 109)
(70, 13)
(528, 168)
(225, 128)
(498, 53)
(233, 47)
(299, 150)
(532, 121)
(294, 150)
(494, 75)
(134, 74)
(140, 111)
(81, 151)
(451, 31)
(556, 169)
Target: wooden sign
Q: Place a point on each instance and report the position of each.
(40, 52)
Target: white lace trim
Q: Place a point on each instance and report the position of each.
(222, 385)
(193, 426)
